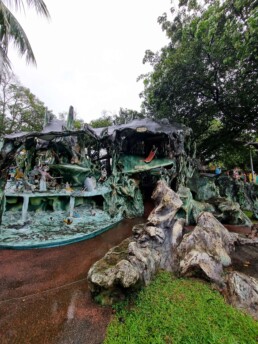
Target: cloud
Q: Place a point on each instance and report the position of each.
(90, 54)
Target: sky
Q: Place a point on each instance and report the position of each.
(89, 54)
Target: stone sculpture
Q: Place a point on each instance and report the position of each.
(161, 243)
(78, 173)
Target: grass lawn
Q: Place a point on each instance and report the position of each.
(172, 310)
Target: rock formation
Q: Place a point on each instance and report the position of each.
(243, 292)
(161, 243)
(206, 249)
(139, 257)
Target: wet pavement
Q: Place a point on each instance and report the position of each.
(44, 296)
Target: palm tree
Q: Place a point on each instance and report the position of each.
(11, 30)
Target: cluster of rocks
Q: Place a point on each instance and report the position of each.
(161, 243)
(232, 193)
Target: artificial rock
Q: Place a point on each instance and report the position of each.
(160, 243)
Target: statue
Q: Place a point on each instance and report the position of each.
(18, 179)
(89, 184)
(43, 180)
(103, 176)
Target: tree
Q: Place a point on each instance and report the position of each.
(124, 116)
(208, 71)
(127, 115)
(11, 30)
(20, 110)
(104, 120)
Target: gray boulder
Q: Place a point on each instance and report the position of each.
(242, 292)
(206, 249)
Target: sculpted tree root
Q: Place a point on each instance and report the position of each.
(160, 244)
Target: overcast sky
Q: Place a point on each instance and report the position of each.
(90, 53)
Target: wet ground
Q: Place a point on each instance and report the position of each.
(44, 296)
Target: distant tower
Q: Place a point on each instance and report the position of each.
(70, 119)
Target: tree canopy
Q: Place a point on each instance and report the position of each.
(206, 77)
(104, 120)
(124, 116)
(127, 115)
(20, 110)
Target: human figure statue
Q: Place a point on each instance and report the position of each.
(68, 187)
(43, 180)
(103, 176)
(89, 184)
(18, 176)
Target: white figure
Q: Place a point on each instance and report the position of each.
(43, 180)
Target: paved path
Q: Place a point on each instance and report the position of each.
(44, 297)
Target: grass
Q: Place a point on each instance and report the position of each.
(181, 310)
(249, 214)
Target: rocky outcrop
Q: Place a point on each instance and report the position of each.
(167, 204)
(208, 186)
(161, 243)
(228, 211)
(225, 210)
(112, 271)
(206, 249)
(242, 292)
(136, 260)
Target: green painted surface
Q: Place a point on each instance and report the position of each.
(52, 218)
(48, 229)
(71, 173)
(135, 164)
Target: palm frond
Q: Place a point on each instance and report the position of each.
(17, 4)
(39, 5)
(5, 63)
(11, 30)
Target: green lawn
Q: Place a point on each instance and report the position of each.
(172, 310)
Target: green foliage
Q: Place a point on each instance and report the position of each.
(250, 215)
(78, 124)
(180, 311)
(208, 71)
(101, 122)
(126, 116)
(20, 110)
